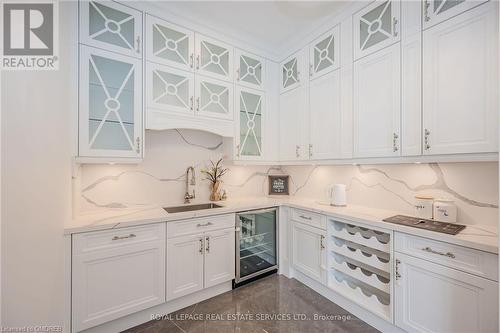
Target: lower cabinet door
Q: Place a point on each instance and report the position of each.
(219, 257)
(184, 265)
(308, 254)
(110, 284)
(433, 298)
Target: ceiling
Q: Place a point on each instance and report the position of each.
(269, 25)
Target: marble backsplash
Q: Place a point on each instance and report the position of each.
(160, 179)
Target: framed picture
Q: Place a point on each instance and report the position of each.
(278, 185)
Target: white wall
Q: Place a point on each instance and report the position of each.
(36, 191)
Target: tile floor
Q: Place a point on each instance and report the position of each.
(274, 295)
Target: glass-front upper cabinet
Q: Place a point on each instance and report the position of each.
(214, 98)
(169, 44)
(324, 55)
(250, 70)
(376, 26)
(291, 70)
(214, 58)
(249, 144)
(436, 11)
(169, 89)
(111, 26)
(110, 104)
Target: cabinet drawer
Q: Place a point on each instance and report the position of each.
(109, 239)
(462, 258)
(312, 219)
(199, 225)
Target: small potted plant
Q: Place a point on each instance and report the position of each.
(214, 174)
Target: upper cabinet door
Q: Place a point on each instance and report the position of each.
(375, 27)
(250, 70)
(169, 89)
(169, 44)
(249, 144)
(291, 71)
(377, 104)
(293, 125)
(460, 83)
(111, 26)
(436, 11)
(110, 102)
(214, 58)
(214, 98)
(324, 53)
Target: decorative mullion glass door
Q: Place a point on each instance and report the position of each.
(214, 58)
(111, 26)
(436, 11)
(169, 44)
(214, 98)
(290, 72)
(376, 27)
(251, 106)
(324, 53)
(250, 70)
(110, 104)
(169, 89)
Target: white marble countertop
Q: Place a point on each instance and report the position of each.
(473, 236)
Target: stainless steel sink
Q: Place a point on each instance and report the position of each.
(189, 208)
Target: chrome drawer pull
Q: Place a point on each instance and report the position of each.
(204, 225)
(447, 254)
(123, 237)
(305, 217)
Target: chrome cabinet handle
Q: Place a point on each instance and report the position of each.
(191, 60)
(447, 254)
(398, 276)
(198, 61)
(310, 70)
(238, 150)
(191, 99)
(201, 246)
(305, 217)
(238, 74)
(310, 150)
(394, 25)
(427, 145)
(197, 104)
(297, 151)
(138, 147)
(204, 225)
(123, 237)
(321, 245)
(208, 244)
(138, 40)
(395, 138)
(426, 10)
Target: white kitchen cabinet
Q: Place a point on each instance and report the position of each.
(169, 44)
(214, 58)
(185, 258)
(460, 83)
(308, 251)
(250, 120)
(376, 26)
(377, 104)
(214, 98)
(169, 89)
(293, 124)
(250, 70)
(116, 273)
(325, 127)
(324, 53)
(432, 298)
(292, 69)
(111, 26)
(219, 257)
(436, 11)
(110, 104)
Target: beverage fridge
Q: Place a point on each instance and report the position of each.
(256, 244)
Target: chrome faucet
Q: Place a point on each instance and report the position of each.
(188, 196)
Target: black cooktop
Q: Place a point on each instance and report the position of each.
(443, 227)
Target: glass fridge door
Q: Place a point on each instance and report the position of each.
(257, 242)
